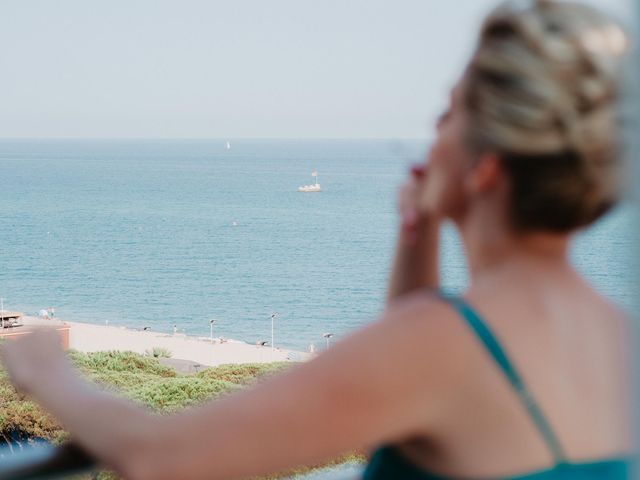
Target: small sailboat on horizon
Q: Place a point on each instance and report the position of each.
(228, 146)
(314, 187)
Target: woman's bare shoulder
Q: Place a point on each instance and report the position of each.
(424, 307)
(431, 323)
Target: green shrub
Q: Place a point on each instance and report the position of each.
(158, 352)
(169, 394)
(119, 362)
(121, 381)
(243, 374)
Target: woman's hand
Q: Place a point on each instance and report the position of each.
(415, 265)
(108, 427)
(412, 206)
(35, 360)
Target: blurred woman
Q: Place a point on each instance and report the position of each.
(525, 375)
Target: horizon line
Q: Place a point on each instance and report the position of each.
(391, 138)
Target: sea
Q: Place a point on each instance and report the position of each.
(157, 233)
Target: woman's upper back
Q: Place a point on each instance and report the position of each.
(566, 345)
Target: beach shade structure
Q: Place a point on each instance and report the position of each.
(44, 461)
(10, 319)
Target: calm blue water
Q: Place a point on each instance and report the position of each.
(141, 233)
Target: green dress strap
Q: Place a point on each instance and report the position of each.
(489, 340)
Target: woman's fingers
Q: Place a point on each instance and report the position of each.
(408, 203)
(418, 171)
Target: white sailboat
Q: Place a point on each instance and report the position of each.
(314, 187)
(228, 146)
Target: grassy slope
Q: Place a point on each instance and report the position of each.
(140, 378)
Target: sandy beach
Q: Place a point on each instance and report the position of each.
(86, 337)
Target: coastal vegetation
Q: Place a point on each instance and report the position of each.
(159, 352)
(139, 377)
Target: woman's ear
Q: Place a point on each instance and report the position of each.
(485, 175)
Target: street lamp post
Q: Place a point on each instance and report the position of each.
(327, 336)
(273, 317)
(211, 322)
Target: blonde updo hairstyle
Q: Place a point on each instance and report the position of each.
(542, 92)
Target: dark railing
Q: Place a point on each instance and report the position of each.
(44, 461)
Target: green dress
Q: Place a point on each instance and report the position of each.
(388, 463)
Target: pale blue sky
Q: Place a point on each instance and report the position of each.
(233, 68)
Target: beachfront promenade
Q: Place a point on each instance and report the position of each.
(86, 337)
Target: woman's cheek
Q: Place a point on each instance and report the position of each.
(443, 194)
